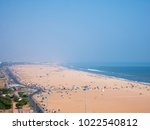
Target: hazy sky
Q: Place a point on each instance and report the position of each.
(75, 31)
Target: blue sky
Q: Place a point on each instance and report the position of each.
(75, 31)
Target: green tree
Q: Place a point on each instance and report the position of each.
(5, 103)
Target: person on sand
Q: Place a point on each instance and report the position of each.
(103, 89)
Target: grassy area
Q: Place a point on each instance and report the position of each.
(6, 100)
(21, 103)
(4, 91)
(5, 103)
(22, 95)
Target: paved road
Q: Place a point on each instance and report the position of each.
(36, 106)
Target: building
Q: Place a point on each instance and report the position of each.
(18, 87)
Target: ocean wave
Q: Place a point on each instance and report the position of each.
(95, 70)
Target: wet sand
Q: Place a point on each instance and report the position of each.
(64, 90)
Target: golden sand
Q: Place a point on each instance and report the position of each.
(64, 90)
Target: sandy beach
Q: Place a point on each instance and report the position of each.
(65, 91)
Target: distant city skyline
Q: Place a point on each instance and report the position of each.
(88, 31)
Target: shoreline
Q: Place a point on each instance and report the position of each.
(107, 76)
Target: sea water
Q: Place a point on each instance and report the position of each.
(134, 73)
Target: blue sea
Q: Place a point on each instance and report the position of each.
(133, 73)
